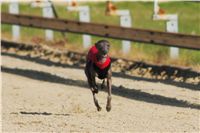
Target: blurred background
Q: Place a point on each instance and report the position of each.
(141, 14)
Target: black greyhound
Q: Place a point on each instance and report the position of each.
(98, 64)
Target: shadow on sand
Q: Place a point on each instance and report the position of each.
(120, 91)
(50, 63)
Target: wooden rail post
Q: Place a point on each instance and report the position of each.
(104, 30)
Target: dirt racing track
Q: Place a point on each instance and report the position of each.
(39, 97)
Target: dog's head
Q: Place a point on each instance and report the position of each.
(103, 47)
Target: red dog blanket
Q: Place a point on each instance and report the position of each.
(92, 57)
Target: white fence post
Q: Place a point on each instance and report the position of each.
(171, 26)
(14, 9)
(84, 16)
(47, 11)
(125, 21)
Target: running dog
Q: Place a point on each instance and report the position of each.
(98, 64)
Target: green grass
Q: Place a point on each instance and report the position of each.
(141, 12)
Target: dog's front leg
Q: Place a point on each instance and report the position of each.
(89, 72)
(94, 89)
(109, 85)
(96, 102)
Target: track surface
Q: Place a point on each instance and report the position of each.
(41, 98)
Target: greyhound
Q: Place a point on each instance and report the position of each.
(98, 64)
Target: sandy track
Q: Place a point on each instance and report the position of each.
(45, 98)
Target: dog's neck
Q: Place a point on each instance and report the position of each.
(101, 58)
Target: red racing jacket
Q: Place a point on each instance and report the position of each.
(99, 67)
(92, 57)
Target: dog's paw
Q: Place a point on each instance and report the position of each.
(99, 109)
(108, 108)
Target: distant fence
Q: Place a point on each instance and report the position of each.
(103, 30)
